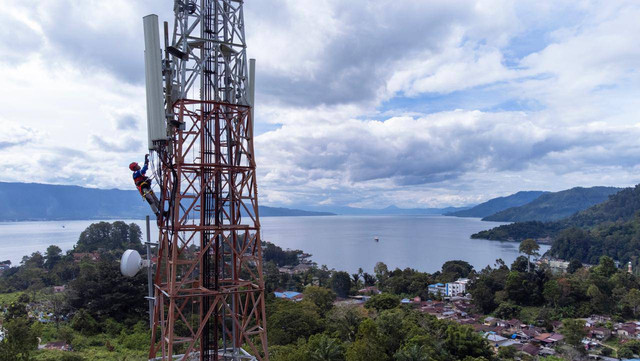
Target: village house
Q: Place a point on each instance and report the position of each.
(5, 266)
(289, 295)
(595, 320)
(627, 330)
(599, 333)
(91, 256)
(549, 339)
(371, 290)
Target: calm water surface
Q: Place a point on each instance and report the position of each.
(340, 242)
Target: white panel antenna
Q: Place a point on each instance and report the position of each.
(156, 118)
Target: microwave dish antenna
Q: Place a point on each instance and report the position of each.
(131, 263)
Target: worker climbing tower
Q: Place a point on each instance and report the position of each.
(208, 289)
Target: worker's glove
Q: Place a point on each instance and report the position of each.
(146, 158)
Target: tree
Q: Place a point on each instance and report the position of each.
(508, 310)
(552, 292)
(321, 297)
(18, 309)
(605, 268)
(369, 279)
(21, 339)
(324, 348)
(292, 320)
(452, 270)
(529, 247)
(117, 236)
(356, 279)
(462, 341)
(574, 265)
(383, 301)
(632, 300)
(344, 321)
(104, 292)
(52, 256)
(341, 283)
(368, 345)
(390, 324)
(412, 353)
(382, 272)
(84, 323)
(574, 332)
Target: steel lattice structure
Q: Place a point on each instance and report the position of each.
(209, 291)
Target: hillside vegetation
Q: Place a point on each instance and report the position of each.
(498, 204)
(555, 206)
(610, 228)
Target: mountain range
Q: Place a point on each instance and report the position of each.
(496, 205)
(390, 210)
(552, 206)
(609, 228)
(43, 202)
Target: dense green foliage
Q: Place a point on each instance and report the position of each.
(554, 206)
(519, 231)
(610, 228)
(496, 205)
(275, 254)
(603, 289)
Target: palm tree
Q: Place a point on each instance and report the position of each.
(356, 279)
(412, 353)
(324, 348)
(369, 279)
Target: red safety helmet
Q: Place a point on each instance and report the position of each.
(133, 166)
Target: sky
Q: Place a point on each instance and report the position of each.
(361, 103)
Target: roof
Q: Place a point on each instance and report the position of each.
(531, 349)
(493, 337)
(290, 295)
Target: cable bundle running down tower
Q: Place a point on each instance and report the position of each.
(208, 286)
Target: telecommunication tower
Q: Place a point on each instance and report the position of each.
(208, 288)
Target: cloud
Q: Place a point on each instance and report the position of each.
(366, 103)
(14, 134)
(127, 122)
(121, 145)
(21, 37)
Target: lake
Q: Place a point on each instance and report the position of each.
(341, 242)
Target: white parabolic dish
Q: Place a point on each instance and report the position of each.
(130, 263)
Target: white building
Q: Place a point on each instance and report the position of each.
(438, 288)
(458, 287)
(450, 289)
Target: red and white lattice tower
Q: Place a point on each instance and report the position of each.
(208, 285)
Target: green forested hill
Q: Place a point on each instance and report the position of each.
(498, 204)
(555, 206)
(610, 228)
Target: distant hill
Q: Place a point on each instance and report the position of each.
(43, 202)
(498, 204)
(391, 210)
(609, 228)
(554, 206)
